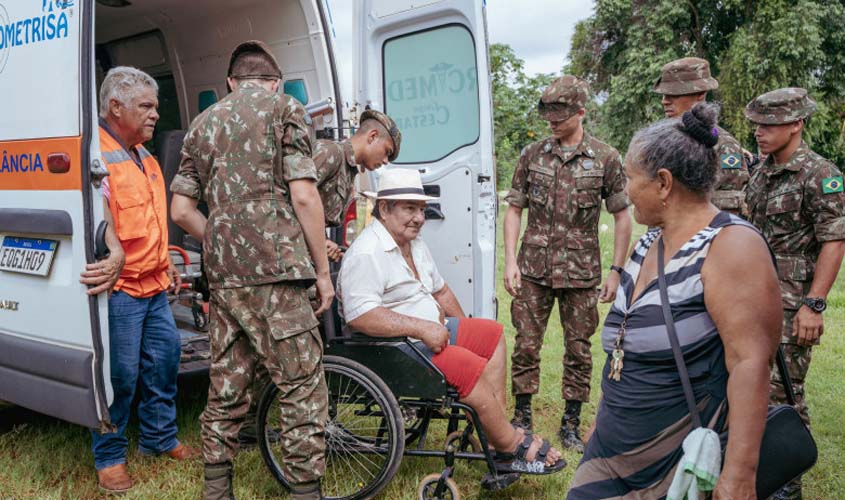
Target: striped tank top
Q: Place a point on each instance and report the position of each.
(643, 417)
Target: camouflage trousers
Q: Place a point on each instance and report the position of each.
(530, 311)
(797, 359)
(271, 326)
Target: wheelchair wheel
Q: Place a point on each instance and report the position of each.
(365, 437)
(459, 443)
(428, 486)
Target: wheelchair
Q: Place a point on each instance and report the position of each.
(384, 394)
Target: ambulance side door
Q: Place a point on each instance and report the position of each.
(53, 349)
(425, 63)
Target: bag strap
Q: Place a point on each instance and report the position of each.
(780, 361)
(785, 379)
(673, 338)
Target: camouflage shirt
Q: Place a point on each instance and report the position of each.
(239, 156)
(336, 169)
(563, 193)
(797, 206)
(733, 174)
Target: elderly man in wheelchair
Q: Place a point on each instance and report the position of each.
(389, 286)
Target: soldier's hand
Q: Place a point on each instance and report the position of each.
(513, 278)
(333, 251)
(608, 288)
(436, 338)
(325, 293)
(808, 325)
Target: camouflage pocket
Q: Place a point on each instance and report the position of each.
(783, 212)
(795, 275)
(588, 198)
(290, 313)
(344, 197)
(532, 255)
(588, 185)
(299, 356)
(727, 199)
(539, 184)
(583, 262)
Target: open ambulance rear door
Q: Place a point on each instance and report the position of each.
(53, 337)
(425, 63)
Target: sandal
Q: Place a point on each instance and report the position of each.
(517, 462)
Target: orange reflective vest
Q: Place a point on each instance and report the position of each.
(138, 206)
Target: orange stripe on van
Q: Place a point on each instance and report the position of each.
(23, 164)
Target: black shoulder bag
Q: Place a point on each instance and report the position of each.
(787, 449)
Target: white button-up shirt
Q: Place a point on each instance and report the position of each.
(374, 274)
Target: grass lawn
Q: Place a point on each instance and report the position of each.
(42, 458)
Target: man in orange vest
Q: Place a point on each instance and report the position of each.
(144, 345)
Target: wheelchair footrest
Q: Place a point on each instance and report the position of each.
(498, 482)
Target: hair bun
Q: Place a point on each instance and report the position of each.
(699, 129)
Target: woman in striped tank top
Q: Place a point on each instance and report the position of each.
(724, 298)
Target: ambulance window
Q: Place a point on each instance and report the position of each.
(168, 109)
(431, 91)
(296, 89)
(206, 99)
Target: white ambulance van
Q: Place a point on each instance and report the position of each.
(424, 62)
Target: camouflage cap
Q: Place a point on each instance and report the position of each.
(563, 98)
(388, 124)
(780, 106)
(252, 46)
(689, 75)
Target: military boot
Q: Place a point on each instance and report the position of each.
(306, 491)
(248, 435)
(218, 482)
(570, 433)
(522, 412)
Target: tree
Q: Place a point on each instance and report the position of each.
(515, 118)
(752, 46)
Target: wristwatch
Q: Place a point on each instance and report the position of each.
(817, 304)
(617, 269)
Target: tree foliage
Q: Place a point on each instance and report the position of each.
(753, 46)
(515, 97)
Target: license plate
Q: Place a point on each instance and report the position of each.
(27, 255)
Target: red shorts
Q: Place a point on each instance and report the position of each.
(472, 342)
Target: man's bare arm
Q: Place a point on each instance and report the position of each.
(512, 226)
(103, 274)
(448, 302)
(382, 322)
(184, 212)
(309, 211)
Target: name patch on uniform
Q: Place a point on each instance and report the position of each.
(731, 161)
(832, 185)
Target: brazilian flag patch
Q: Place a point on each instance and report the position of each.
(730, 161)
(832, 185)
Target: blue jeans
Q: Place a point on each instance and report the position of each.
(145, 346)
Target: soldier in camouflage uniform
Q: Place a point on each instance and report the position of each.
(375, 143)
(249, 158)
(795, 197)
(683, 83)
(561, 180)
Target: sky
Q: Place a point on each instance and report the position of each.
(539, 31)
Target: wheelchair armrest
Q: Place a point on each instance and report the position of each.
(372, 338)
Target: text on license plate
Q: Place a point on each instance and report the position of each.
(27, 255)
